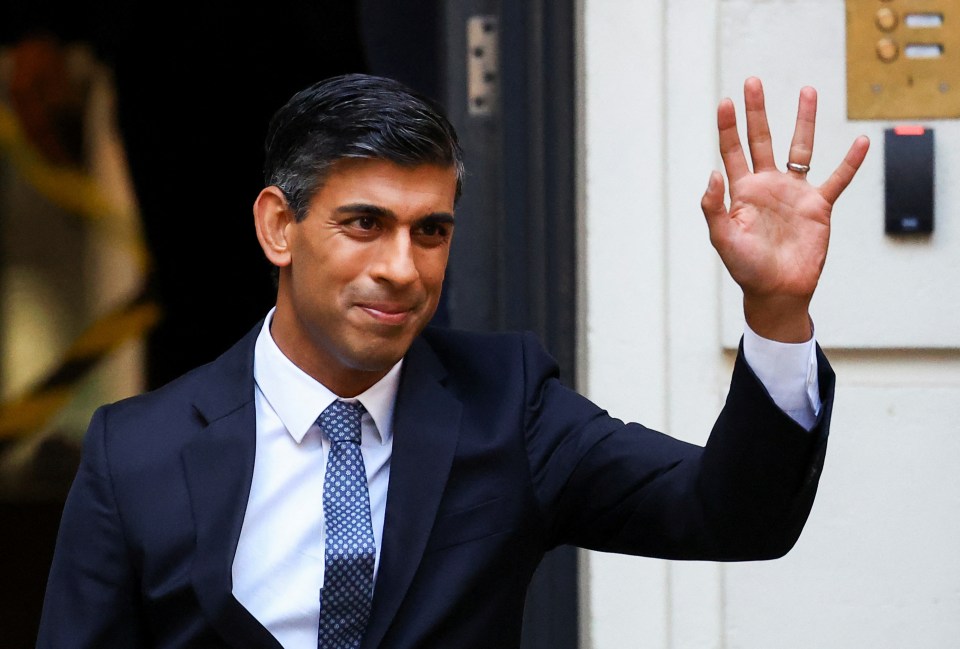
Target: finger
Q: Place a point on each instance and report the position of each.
(758, 131)
(734, 161)
(842, 175)
(801, 147)
(712, 202)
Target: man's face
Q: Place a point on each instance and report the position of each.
(365, 270)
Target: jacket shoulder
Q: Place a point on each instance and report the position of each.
(199, 396)
(487, 354)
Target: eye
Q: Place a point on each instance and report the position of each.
(363, 225)
(433, 229)
(365, 222)
(432, 234)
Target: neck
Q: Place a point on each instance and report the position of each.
(319, 363)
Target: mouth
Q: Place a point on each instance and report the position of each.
(388, 313)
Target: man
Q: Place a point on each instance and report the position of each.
(231, 509)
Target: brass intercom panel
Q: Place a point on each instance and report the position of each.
(903, 59)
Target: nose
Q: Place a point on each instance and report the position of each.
(396, 263)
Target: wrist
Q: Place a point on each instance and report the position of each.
(782, 319)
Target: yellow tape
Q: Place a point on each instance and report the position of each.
(28, 414)
(78, 194)
(113, 329)
(69, 189)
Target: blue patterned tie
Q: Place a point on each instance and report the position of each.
(350, 549)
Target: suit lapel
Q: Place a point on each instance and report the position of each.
(218, 466)
(425, 434)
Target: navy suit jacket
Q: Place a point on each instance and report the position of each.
(494, 462)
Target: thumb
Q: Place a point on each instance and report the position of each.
(712, 201)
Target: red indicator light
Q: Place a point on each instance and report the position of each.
(909, 130)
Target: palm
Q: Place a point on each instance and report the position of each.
(773, 238)
(776, 234)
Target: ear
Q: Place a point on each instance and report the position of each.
(271, 215)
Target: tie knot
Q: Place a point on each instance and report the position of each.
(340, 422)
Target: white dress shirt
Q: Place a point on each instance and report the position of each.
(789, 373)
(278, 567)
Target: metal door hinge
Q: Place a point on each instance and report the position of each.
(483, 65)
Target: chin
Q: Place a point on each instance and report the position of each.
(380, 359)
(377, 350)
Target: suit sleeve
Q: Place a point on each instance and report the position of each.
(608, 485)
(92, 593)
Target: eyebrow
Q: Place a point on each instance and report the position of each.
(437, 217)
(377, 210)
(365, 208)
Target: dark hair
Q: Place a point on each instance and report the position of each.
(353, 116)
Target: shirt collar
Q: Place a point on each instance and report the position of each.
(298, 398)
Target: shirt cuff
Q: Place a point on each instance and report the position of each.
(789, 373)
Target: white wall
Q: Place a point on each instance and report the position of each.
(876, 565)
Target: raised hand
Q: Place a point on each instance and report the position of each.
(773, 238)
